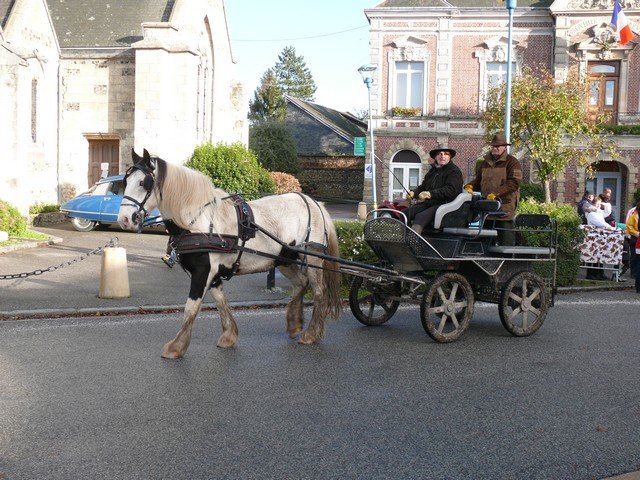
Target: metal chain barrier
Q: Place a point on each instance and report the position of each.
(110, 243)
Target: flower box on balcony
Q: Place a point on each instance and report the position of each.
(406, 112)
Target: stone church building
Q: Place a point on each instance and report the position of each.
(435, 59)
(82, 82)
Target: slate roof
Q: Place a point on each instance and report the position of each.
(95, 23)
(324, 119)
(462, 3)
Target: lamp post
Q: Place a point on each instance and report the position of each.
(367, 72)
(511, 6)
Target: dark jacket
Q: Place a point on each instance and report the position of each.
(585, 206)
(503, 178)
(444, 184)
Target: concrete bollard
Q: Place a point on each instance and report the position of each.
(362, 210)
(114, 276)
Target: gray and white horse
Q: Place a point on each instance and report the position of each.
(218, 235)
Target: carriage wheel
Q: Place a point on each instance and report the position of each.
(523, 304)
(369, 302)
(447, 307)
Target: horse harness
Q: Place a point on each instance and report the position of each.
(187, 242)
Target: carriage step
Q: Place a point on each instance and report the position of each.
(522, 250)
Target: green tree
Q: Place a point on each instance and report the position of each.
(273, 144)
(290, 76)
(293, 76)
(549, 121)
(268, 100)
(232, 168)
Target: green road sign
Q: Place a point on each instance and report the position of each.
(359, 146)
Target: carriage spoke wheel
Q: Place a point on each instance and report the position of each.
(524, 303)
(447, 307)
(369, 302)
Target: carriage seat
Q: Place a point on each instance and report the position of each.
(454, 217)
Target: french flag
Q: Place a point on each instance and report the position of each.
(623, 31)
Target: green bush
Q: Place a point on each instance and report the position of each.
(232, 168)
(273, 144)
(570, 237)
(353, 246)
(532, 190)
(620, 129)
(11, 221)
(39, 208)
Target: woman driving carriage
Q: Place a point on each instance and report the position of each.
(442, 183)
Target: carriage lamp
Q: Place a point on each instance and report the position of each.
(367, 72)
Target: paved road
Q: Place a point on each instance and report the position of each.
(91, 398)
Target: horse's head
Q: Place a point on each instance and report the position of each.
(139, 199)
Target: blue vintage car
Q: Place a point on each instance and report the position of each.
(99, 206)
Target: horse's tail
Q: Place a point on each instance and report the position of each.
(331, 277)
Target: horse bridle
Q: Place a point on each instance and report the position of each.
(147, 183)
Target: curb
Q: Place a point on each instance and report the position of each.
(24, 243)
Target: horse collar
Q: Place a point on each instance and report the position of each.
(246, 227)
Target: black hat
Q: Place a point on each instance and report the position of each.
(442, 147)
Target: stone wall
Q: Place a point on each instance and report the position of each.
(332, 178)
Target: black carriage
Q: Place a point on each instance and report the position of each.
(455, 264)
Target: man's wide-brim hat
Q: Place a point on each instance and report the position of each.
(442, 147)
(499, 140)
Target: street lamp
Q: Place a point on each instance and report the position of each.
(511, 6)
(367, 72)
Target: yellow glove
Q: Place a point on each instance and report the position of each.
(491, 196)
(409, 196)
(424, 195)
(469, 188)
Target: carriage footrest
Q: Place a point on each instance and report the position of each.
(470, 232)
(505, 250)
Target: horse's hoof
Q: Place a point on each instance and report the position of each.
(171, 355)
(226, 343)
(307, 339)
(294, 333)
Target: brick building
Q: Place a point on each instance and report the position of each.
(84, 82)
(435, 59)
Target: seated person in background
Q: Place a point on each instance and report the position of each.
(596, 217)
(441, 184)
(585, 206)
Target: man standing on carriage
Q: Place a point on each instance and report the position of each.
(442, 183)
(499, 176)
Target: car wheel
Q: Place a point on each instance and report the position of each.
(83, 224)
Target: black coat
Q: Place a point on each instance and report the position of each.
(444, 184)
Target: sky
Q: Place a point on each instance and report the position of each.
(332, 36)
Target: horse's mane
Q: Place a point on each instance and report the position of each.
(183, 192)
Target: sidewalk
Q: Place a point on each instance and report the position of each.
(72, 286)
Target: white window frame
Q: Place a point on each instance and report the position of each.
(496, 52)
(412, 50)
(405, 166)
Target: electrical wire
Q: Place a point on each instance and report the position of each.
(299, 38)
